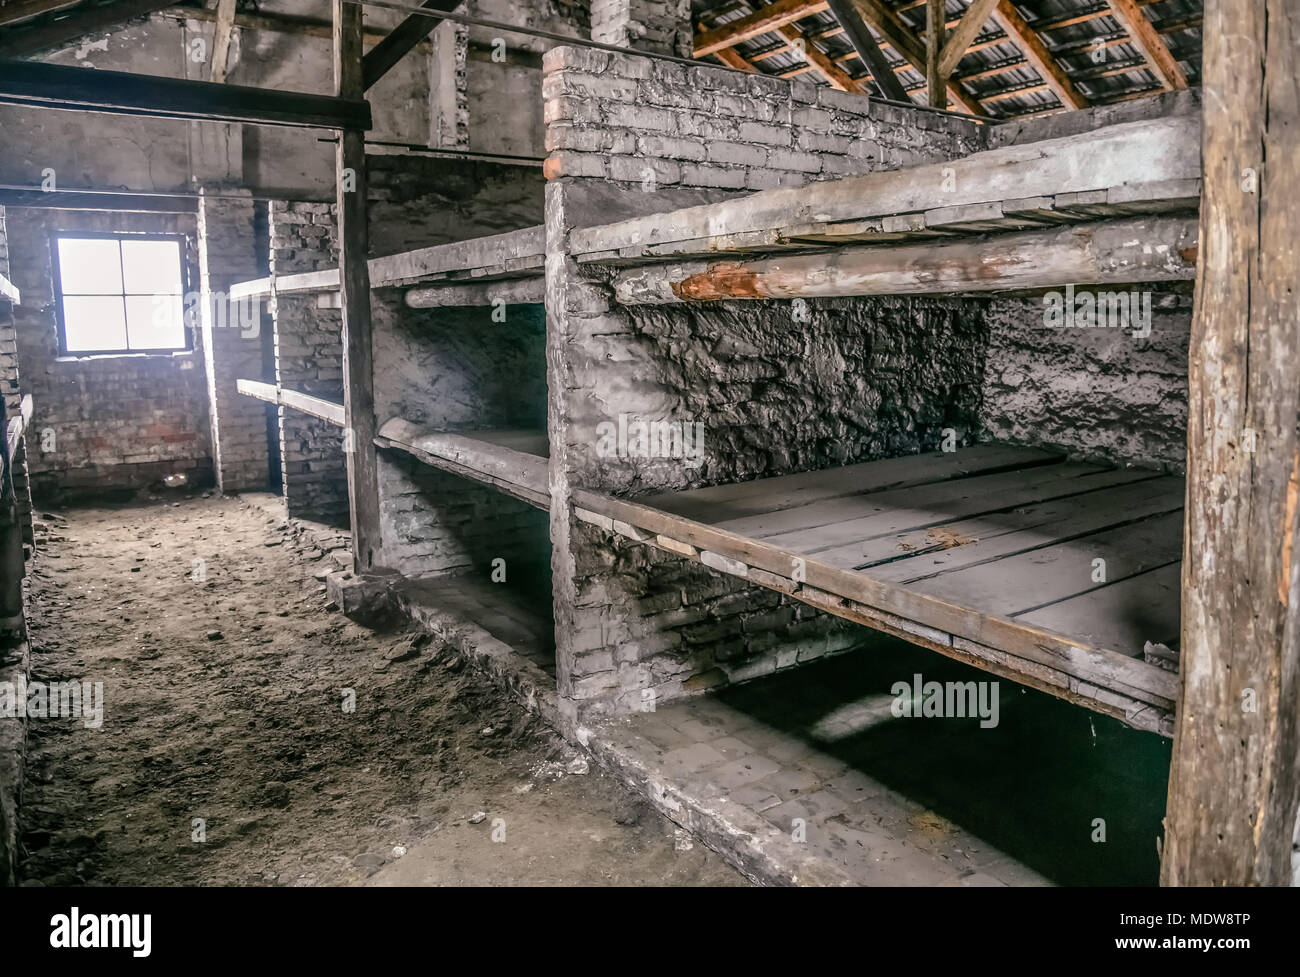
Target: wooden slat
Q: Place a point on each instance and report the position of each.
(918, 554)
(719, 503)
(505, 459)
(761, 21)
(973, 20)
(1123, 615)
(1037, 54)
(326, 410)
(1147, 40)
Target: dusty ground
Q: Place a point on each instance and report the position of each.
(224, 701)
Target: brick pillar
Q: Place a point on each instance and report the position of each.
(232, 348)
(653, 26)
(309, 359)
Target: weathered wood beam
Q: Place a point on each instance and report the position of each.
(1234, 784)
(977, 15)
(935, 78)
(898, 36)
(400, 41)
(326, 410)
(516, 291)
(1150, 43)
(1037, 54)
(762, 21)
(733, 59)
(864, 43)
(59, 86)
(1104, 253)
(46, 36)
(100, 200)
(354, 282)
(221, 34)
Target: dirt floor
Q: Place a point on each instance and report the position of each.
(227, 755)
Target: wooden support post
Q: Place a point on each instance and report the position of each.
(221, 34)
(976, 16)
(354, 282)
(936, 13)
(1233, 788)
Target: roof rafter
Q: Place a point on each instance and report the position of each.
(1147, 40)
(763, 21)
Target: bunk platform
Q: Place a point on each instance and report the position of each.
(9, 291)
(326, 410)
(470, 272)
(1059, 575)
(513, 461)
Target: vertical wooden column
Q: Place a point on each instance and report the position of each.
(936, 16)
(1233, 790)
(354, 280)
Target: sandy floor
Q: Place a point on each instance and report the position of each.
(226, 755)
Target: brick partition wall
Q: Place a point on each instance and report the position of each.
(228, 253)
(777, 386)
(101, 422)
(309, 359)
(10, 390)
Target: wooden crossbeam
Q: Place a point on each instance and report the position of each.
(976, 16)
(897, 35)
(1038, 55)
(836, 76)
(763, 21)
(400, 41)
(1150, 43)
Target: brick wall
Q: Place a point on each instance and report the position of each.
(104, 421)
(309, 359)
(777, 386)
(633, 120)
(10, 390)
(655, 26)
(228, 253)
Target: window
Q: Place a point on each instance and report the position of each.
(119, 293)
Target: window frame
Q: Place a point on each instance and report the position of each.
(187, 287)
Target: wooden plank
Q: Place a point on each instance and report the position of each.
(57, 86)
(1108, 252)
(1037, 54)
(221, 34)
(735, 500)
(761, 21)
(1023, 583)
(472, 455)
(918, 554)
(400, 41)
(1098, 665)
(972, 21)
(1132, 153)
(326, 410)
(864, 44)
(1147, 40)
(354, 284)
(1123, 615)
(1235, 778)
(520, 291)
(831, 525)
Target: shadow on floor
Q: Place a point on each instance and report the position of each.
(1033, 786)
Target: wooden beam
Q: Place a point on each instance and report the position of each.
(56, 33)
(354, 282)
(57, 86)
(17, 11)
(145, 203)
(733, 59)
(897, 34)
(1037, 54)
(935, 79)
(762, 21)
(221, 39)
(976, 16)
(818, 60)
(1147, 40)
(326, 410)
(864, 43)
(405, 36)
(1104, 253)
(1234, 784)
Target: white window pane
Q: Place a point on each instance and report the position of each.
(92, 323)
(151, 268)
(90, 266)
(154, 322)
